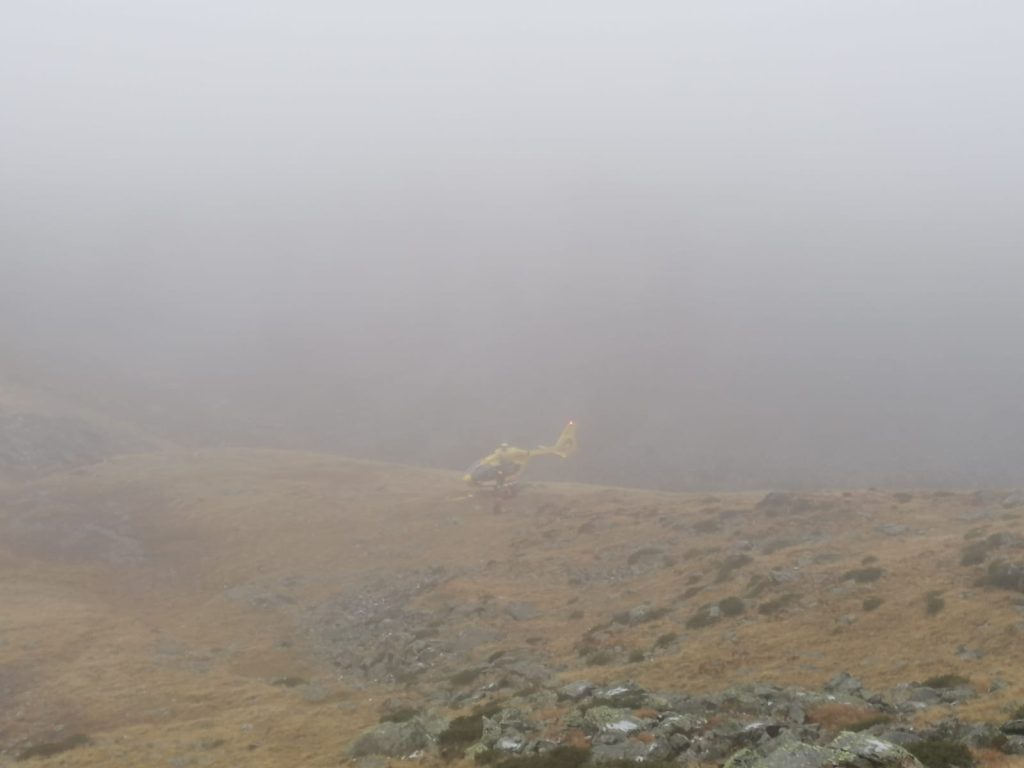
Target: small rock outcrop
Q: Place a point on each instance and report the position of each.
(848, 750)
(392, 740)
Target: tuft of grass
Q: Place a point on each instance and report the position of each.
(664, 641)
(655, 613)
(757, 585)
(949, 680)
(864, 575)
(691, 592)
(933, 602)
(869, 722)
(636, 656)
(774, 545)
(465, 677)
(731, 606)
(291, 681)
(702, 618)
(51, 748)
(461, 733)
(868, 560)
(779, 604)
(870, 603)
(942, 753)
(596, 628)
(974, 553)
(640, 554)
(730, 565)
(978, 550)
(707, 526)
(1005, 575)
(400, 715)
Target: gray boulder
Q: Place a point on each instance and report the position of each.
(613, 720)
(685, 724)
(625, 695)
(391, 740)
(874, 750)
(846, 683)
(510, 741)
(957, 695)
(847, 750)
(922, 694)
(575, 691)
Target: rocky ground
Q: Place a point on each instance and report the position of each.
(759, 725)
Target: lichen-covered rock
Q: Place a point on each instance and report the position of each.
(576, 691)
(847, 750)
(510, 741)
(613, 720)
(845, 683)
(674, 724)
(876, 751)
(624, 695)
(391, 740)
(490, 733)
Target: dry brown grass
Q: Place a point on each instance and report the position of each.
(836, 717)
(990, 758)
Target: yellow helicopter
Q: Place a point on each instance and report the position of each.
(501, 469)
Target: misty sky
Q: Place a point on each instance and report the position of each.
(744, 244)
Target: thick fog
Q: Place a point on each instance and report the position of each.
(744, 245)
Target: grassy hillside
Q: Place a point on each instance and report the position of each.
(259, 608)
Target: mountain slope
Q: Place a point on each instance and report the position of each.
(266, 602)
